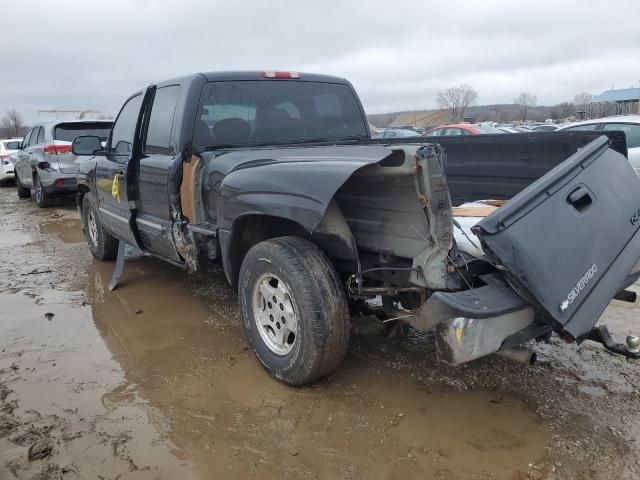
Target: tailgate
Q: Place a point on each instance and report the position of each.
(570, 239)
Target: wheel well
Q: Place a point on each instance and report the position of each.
(82, 191)
(252, 229)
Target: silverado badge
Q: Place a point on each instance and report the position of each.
(575, 291)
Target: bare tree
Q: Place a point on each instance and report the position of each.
(457, 100)
(526, 101)
(562, 110)
(13, 122)
(583, 102)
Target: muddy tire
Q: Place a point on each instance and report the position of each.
(41, 197)
(102, 244)
(294, 309)
(23, 192)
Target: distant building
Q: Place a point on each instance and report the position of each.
(618, 102)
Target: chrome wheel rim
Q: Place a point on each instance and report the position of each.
(274, 314)
(92, 227)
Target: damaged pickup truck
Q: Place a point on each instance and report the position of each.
(274, 176)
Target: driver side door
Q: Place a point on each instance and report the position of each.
(111, 172)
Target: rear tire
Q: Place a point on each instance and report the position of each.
(294, 309)
(102, 244)
(41, 197)
(22, 191)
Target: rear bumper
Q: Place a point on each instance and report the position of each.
(474, 323)
(59, 183)
(7, 175)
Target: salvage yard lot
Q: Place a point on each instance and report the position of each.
(154, 380)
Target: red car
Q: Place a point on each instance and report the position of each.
(461, 129)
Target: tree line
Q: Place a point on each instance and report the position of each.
(458, 100)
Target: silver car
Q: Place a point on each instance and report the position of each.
(629, 124)
(44, 163)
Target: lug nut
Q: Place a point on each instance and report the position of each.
(633, 344)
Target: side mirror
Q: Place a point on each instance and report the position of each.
(86, 145)
(12, 145)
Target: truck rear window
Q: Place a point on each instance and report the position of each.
(67, 132)
(276, 112)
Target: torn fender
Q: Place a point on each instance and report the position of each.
(293, 183)
(296, 183)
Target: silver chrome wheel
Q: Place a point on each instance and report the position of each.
(274, 314)
(92, 227)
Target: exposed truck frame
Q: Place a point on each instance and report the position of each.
(311, 234)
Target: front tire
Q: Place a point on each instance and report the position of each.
(102, 244)
(294, 309)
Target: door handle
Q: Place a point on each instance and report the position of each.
(120, 173)
(580, 199)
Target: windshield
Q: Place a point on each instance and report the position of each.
(67, 132)
(273, 112)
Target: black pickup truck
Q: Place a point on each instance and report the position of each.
(489, 241)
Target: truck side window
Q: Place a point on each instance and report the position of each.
(161, 121)
(125, 126)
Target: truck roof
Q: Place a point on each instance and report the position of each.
(253, 75)
(258, 75)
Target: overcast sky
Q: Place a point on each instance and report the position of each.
(86, 54)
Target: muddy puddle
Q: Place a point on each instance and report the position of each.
(155, 380)
(231, 419)
(66, 230)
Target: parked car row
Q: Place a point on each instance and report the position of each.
(462, 129)
(44, 167)
(42, 163)
(629, 124)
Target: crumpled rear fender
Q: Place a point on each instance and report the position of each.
(296, 188)
(297, 185)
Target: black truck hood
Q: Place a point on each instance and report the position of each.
(569, 240)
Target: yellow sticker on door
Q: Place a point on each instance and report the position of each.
(115, 188)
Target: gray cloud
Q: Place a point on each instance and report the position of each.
(73, 54)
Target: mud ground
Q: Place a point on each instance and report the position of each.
(154, 381)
